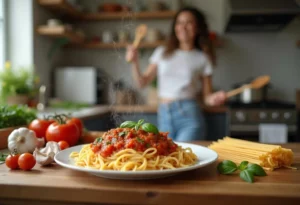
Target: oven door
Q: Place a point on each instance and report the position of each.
(245, 124)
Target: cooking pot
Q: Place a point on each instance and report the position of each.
(250, 95)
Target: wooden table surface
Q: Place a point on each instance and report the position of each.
(58, 185)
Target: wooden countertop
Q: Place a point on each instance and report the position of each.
(59, 185)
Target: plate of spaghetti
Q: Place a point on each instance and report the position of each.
(135, 152)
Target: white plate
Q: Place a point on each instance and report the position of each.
(205, 156)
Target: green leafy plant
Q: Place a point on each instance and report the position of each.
(247, 170)
(20, 81)
(148, 127)
(2, 157)
(11, 116)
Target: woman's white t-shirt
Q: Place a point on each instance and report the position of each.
(179, 73)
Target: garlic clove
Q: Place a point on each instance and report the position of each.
(46, 155)
(40, 142)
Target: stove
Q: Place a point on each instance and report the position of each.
(246, 118)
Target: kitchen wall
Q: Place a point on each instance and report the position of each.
(244, 55)
(251, 54)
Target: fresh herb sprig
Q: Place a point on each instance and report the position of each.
(148, 127)
(247, 170)
(3, 157)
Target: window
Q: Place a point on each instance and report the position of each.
(2, 35)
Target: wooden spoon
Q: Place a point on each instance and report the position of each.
(140, 33)
(255, 84)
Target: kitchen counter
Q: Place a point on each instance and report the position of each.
(59, 185)
(153, 108)
(87, 113)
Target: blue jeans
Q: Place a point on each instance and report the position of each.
(183, 120)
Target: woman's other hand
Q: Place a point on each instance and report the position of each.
(132, 54)
(216, 99)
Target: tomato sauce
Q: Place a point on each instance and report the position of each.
(122, 138)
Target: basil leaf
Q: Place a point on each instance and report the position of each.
(137, 127)
(98, 140)
(243, 165)
(256, 170)
(247, 176)
(148, 145)
(123, 134)
(140, 140)
(108, 143)
(140, 121)
(148, 127)
(226, 167)
(128, 124)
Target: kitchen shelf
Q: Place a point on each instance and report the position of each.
(127, 15)
(63, 7)
(120, 45)
(60, 32)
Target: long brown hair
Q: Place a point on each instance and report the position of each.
(202, 40)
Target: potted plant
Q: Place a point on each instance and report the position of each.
(17, 86)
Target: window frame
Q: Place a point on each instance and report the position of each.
(4, 36)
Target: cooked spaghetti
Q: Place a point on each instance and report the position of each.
(127, 149)
(266, 155)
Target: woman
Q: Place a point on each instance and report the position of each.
(187, 57)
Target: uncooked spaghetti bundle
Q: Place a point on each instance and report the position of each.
(266, 155)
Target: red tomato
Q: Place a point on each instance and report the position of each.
(63, 132)
(26, 161)
(63, 145)
(78, 123)
(12, 161)
(40, 126)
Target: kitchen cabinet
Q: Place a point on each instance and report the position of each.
(216, 123)
(100, 123)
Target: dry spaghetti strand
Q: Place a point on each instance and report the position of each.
(266, 155)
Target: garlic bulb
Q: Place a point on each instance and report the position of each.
(46, 155)
(22, 140)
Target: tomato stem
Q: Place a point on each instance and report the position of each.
(60, 119)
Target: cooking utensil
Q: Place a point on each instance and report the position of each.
(255, 84)
(140, 33)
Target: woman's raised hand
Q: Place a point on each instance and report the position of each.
(216, 99)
